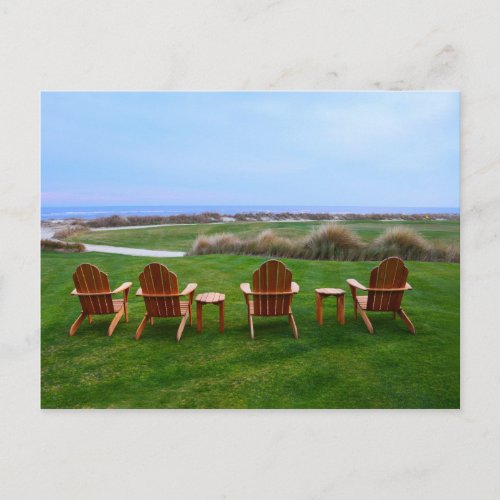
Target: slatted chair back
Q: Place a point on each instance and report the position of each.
(158, 281)
(390, 274)
(92, 282)
(275, 278)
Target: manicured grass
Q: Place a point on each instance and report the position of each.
(328, 367)
(181, 238)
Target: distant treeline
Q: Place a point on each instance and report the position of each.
(211, 217)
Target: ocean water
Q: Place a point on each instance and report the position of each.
(93, 212)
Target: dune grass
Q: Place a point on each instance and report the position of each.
(61, 246)
(181, 238)
(330, 241)
(328, 367)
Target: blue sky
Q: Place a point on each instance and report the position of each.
(251, 148)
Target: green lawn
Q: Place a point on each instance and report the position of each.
(180, 238)
(328, 367)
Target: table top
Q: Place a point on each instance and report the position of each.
(210, 297)
(330, 291)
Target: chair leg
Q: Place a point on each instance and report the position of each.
(250, 322)
(90, 319)
(340, 310)
(407, 321)
(141, 327)
(126, 312)
(151, 321)
(115, 321)
(294, 326)
(190, 315)
(77, 323)
(355, 303)
(366, 320)
(181, 326)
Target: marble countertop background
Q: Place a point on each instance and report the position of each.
(260, 44)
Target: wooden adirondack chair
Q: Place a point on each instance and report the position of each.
(273, 291)
(92, 288)
(160, 290)
(385, 293)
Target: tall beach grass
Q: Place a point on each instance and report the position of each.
(61, 246)
(330, 242)
(70, 230)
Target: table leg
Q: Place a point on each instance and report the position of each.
(221, 317)
(319, 308)
(199, 316)
(340, 310)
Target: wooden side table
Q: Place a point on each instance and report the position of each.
(209, 298)
(321, 293)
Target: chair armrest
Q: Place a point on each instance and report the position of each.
(140, 293)
(245, 288)
(91, 294)
(406, 287)
(356, 284)
(191, 287)
(295, 287)
(123, 287)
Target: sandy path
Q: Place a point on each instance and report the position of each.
(137, 252)
(48, 234)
